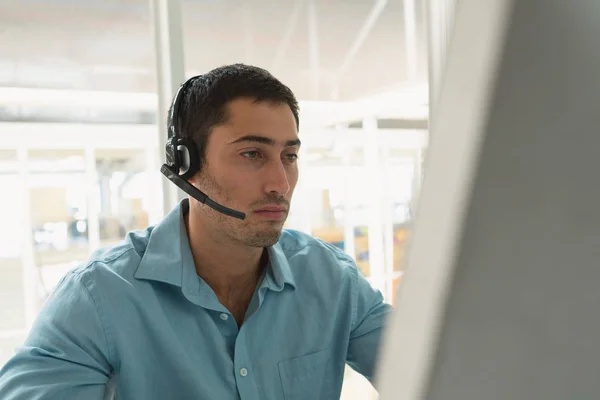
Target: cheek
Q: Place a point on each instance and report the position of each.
(239, 187)
(293, 178)
(243, 187)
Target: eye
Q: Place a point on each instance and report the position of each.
(251, 155)
(291, 157)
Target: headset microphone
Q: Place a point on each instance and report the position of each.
(197, 194)
(182, 160)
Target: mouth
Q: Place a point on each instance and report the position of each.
(272, 213)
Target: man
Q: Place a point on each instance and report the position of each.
(205, 305)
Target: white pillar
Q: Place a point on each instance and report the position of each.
(374, 186)
(349, 203)
(349, 225)
(93, 200)
(301, 197)
(417, 179)
(440, 21)
(388, 221)
(410, 39)
(152, 203)
(30, 273)
(168, 39)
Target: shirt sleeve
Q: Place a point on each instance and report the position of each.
(370, 316)
(66, 355)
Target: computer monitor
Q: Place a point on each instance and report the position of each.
(501, 295)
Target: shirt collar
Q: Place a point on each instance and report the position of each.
(279, 272)
(163, 259)
(168, 257)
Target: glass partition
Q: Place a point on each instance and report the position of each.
(12, 299)
(124, 192)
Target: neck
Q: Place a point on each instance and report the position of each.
(224, 265)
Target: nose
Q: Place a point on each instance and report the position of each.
(278, 181)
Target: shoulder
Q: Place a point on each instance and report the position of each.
(307, 252)
(116, 263)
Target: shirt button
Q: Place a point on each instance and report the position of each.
(243, 372)
(224, 317)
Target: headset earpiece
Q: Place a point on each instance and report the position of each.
(182, 157)
(188, 158)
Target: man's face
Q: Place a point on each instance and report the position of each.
(251, 166)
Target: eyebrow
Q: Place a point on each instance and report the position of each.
(265, 140)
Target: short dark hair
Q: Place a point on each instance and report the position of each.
(203, 105)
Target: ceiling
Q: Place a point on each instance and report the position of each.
(108, 44)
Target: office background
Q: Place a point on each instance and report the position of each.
(81, 126)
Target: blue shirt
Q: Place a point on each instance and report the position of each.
(137, 322)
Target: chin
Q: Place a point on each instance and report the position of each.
(264, 239)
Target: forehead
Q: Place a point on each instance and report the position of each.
(246, 116)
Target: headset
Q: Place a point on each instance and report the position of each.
(183, 160)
